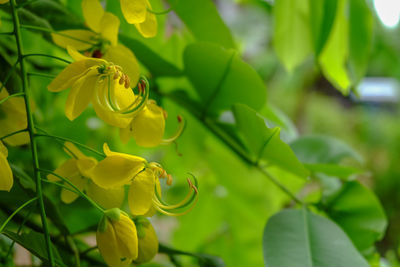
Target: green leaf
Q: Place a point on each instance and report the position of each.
(334, 56)
(203, 21)
(360, 37)
(35, 243)
(333, 169)
(221, 78)
(154, 63)
(299, 238)
(322, 16)
(292, 38)
(264, 143)
(358, 211)
(322, 149)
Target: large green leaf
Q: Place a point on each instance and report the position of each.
(35, 243)
(358, 211)
(292, 38)
(299, 238)
(203, 20)
(334, 56)
(221, 78)
(264, 143)
(360, 37)
(322, 16)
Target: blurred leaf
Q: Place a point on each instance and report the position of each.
(333, 169)
(264, 143)
(35, 243)
(154, 63)
(322, 16)
(315, 149)
(334, 56)
(358, 211)
(298, 238)
(360, 37)
(203, 20)
(291, 32)
(30, 18)
(221, 78)
(206, 260)
(25, 180)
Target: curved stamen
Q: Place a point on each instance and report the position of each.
(179, 131)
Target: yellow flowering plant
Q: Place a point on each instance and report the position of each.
(6, 176)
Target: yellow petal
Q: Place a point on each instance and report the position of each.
(123, 56)
(89, 61)
(148, 245)
(148, 28)
(86, 165)
(109, 26)
(68, 76)
(6, 176)
(126, 235)
(123, 97)
(81, 94)
(115, 171)
(4, 1)
(87, 38)
(108, 152)
(134, 11)
(141, 192)
(148, 126)
(79, 181)
(13, 118)
(67, 169)
(107, 198)
(92, 12)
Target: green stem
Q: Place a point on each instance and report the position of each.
(11, 96)
(72, 141)
(36, 28)
(13, 133)
(65, 180)
(49, 56)
(31, 129)
(15, 212)
(50, 76)
(163, 12)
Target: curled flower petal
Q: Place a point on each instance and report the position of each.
(148, 28)
(79, 181)
(141, 192)
(67, 169)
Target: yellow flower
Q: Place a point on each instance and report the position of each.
(148, 242)
(13, 118)
(4, 1)
(100, 82)
(147, 127)
(137, 12)
(101, 40)
(117, 239)
(77, 170)
(144, 196)
(6, 176)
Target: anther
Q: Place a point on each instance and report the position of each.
(127, 81)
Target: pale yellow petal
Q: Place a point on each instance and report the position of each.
(126, 235)
(148, 126)
(122, 96)
(68, 76)
(123, 56)
(108, 152)
(6, 176)
(134, 11)
(148, 28)
(13, 118)
(66, 169)
(86, 165)
(92, 12)
(115, 171)
(81, 94)
(109, 26)
(107, 198)
(80, 39)
(141, 192)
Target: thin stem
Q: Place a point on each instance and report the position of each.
(65, 180)
(49, 56)
(36, 28)
(15, 212)
(60, 185)
(88, 250)
(50, 76)
(31, 129)
(13, 133)
(11, 96)
(72, 141)
(72, 245)
(163, 12)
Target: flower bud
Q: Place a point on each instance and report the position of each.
(117, 239)
(148, 242)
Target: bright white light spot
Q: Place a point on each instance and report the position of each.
(388, 12)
